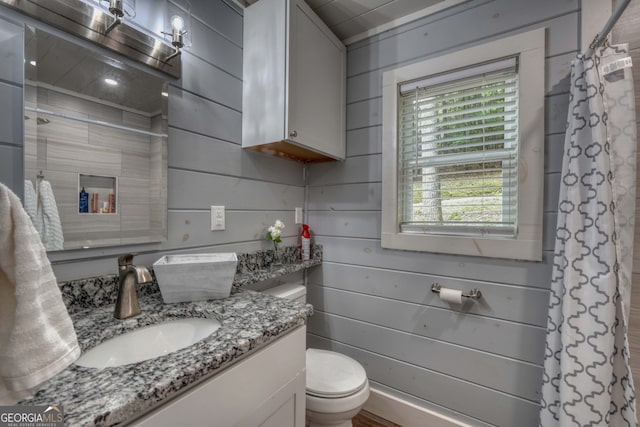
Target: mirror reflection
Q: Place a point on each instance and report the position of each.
(95, 146)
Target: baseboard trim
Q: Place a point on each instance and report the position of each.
(406, 414)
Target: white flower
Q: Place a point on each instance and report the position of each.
(274, 232)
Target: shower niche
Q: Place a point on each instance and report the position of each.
(98, 122)
(97, 195)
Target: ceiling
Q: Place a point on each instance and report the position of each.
(59, 62)
(349, 18)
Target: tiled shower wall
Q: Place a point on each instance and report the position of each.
(64, 148)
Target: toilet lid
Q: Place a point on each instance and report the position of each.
(331, 374)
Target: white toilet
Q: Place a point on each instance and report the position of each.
(337, 385)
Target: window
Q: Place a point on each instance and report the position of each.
(463, 151)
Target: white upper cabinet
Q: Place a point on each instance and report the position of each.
(294, 80)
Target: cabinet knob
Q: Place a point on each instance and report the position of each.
(293, 134)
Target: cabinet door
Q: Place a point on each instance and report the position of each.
(316, 108)
(267, 386)
(284, 416)
(263, 72)
(286, 408)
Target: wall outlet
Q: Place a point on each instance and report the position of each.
(217, 218)
(299, 216)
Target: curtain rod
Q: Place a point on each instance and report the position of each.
(602, 35)
(96, 122)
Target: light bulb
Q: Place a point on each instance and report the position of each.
(110, 82)
(32, 62)
(177, 23)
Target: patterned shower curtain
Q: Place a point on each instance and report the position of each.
(587, 377)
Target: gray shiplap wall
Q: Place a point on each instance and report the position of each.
(481, 363)
(206, 163)
(11, 129)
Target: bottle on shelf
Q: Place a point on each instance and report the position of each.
(83, 202)
(112, 203)
(94, 203)
(305, 243)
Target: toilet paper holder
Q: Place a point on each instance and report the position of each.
(473, 293)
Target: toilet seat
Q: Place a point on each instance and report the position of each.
(333, 375)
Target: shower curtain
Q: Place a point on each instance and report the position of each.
(587, 377)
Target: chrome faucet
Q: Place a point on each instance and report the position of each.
(130, 275)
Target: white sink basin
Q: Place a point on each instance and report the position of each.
(148, 342)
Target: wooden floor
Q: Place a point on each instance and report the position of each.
(367, 419)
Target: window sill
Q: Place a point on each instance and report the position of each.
(527, 248)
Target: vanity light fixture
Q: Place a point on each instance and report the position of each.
(178, 26)
(119, 9)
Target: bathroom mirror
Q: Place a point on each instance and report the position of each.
(95, 134)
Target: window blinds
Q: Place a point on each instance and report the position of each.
(458, 151)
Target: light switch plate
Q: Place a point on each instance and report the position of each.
(217, 218)
(299, 216)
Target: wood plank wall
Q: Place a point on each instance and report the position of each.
(206, 163)
(481, 364)
(627, 30)
(11, 106)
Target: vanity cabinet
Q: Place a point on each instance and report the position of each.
(267, 389)
(294, 83)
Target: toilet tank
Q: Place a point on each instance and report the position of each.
(292, 291)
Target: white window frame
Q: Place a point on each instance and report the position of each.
(527, 243)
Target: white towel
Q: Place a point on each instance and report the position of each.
(31, 202)
(51, 232)
(37, 339)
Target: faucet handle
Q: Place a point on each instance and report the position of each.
(126, 259)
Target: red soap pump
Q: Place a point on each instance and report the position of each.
(305, 243)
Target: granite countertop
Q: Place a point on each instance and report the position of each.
(253, 267)
(115, 395)
(271, 272)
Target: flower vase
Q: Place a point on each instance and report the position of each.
(276, 255)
